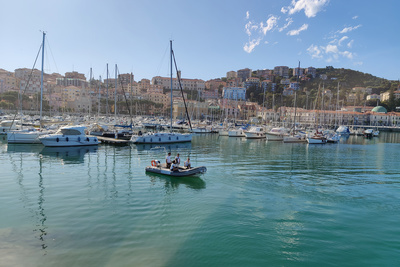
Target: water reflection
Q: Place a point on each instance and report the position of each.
(24, 148)
(167, 147)
(171, 183)
(69, 155)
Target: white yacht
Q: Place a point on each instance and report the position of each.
(26, 136)
(343, 130)
(277, 134)
(9, 125)
(160, 138)
(255, 132)
(236, 133)
(69, 136)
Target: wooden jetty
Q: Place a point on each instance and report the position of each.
(113, 141)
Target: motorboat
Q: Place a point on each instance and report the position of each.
(9, 125)
(300, 137)
(157, 167)
(343, 130)
(69, 136)
(255, 132)
(236, 133)
(277, 134)
(160, 138)
(26, 136)
(317, 138)
(368, 133)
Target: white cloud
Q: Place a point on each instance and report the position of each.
(271, 24)
(349, 29)
(355, 17)
(311, 7)
(248, 47)
(247, 15)
(342, 39)
(358, 63)
(314, 51)
(331, 49)
(297, 32)
(347, 54)
(288, 22)
(249, 27)
(350, 44)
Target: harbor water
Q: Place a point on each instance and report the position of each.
(260, 203)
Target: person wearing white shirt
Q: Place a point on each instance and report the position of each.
(187, 164)
(168, 160)
(177, 160)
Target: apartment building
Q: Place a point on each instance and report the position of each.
(234, 93)
(187, 84)
(244, 74)
(214, 84)
(282, 71)
(231, 75)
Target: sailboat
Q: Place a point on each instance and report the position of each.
(163, 137)
(30, 136)
(295, 137)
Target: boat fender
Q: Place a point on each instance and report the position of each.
(153, 163)
(87, 139)
(67, 139)
(79, 138)
(58, 139)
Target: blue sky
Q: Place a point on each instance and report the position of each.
(209, 37)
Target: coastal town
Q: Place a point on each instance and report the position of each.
(267, 95)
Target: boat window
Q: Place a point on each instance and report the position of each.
(70, 132)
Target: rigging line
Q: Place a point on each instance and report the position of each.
(161, 61)
(51, 53)
(180, 86)
(126, 100)
(26, 86)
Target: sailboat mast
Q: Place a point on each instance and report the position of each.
(41, 82)
(171, 81)
(107, 94)
(115, 94)
(98, 106)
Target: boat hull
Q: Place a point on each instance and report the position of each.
(180, 173)
(312, 140)
(66, 141)
(16, 137)
(161, 138)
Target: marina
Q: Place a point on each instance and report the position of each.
(260, 203)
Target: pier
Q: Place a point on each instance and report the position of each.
(112, 141)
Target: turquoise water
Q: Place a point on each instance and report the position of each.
(259, 204)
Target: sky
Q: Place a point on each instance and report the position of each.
(210, 37)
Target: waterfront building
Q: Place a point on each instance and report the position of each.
(373, 97)
(210, 94)
(159, 98)
(282, 71)
(235, 82)
(215, 84)
(7, 81)
(252, 82)
(187, 84)
(298, 72)
(231, 75)
(234, 93)
(312, 71)
(196, 109)
(244, 74)
(268, 86)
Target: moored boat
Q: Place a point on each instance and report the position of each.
(255, 132)
(69, 136)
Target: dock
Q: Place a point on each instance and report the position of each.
(112, 141)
